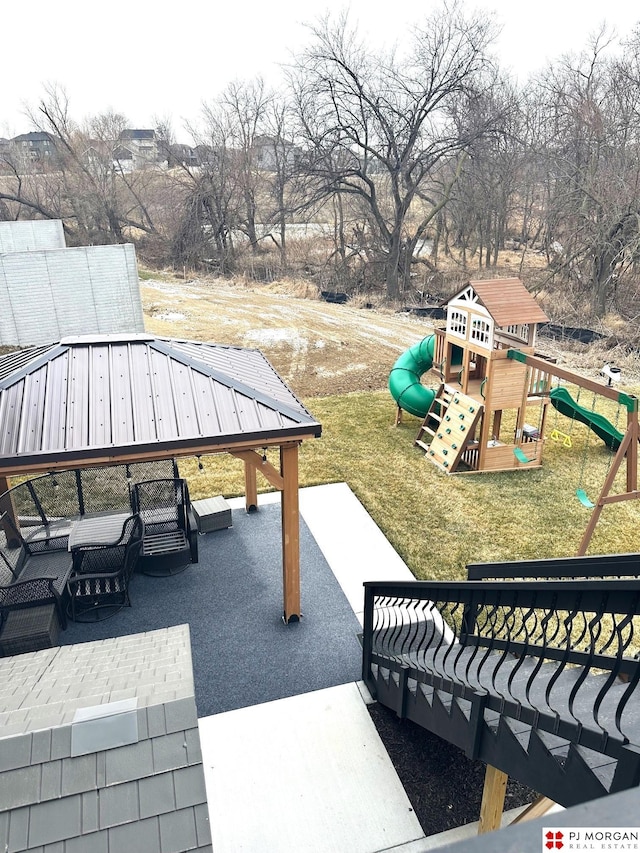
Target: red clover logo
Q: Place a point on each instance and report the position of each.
(553, 840)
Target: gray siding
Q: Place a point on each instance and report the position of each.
(50, 294)
(31, 235)
(145, 795)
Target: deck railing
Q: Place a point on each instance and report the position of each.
(560, 656)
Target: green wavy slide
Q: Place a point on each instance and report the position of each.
(562, 400)
(404, 380)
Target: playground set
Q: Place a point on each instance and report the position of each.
(488, 379)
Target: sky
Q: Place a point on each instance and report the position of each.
(155, 61)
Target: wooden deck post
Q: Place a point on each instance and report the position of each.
(495, 787)
(290, 532)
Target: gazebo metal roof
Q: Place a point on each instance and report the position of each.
(118, 397)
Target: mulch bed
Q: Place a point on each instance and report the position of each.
(443, 785)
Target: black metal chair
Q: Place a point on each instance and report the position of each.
(99, 585)
(170, 541)
(32, 573)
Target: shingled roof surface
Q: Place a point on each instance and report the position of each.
(121, 394)
(508, 301)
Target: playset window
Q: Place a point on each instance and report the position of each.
(481, 331)
(457, 323)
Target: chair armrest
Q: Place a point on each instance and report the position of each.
(32, 593)
(78, 578)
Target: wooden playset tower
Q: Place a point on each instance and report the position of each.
(478, 418)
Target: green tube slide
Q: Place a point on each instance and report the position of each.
(404, 379)
(562, 400)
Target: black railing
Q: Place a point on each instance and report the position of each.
(560, 656)
(64, 494)
(46, 505)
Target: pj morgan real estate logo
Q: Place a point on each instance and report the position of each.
(602, 838)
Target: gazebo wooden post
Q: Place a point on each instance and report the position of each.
(6, 505)
(290, 532)
(286, 482)
(250, 486)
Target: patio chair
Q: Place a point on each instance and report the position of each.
(170, 541)
(32, 574)
(99, 585)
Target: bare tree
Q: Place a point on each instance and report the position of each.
(84, 184)
(390, 132)
(478, 213)
(592, 158)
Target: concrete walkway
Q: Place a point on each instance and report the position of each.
(310, 773)
(307, 773)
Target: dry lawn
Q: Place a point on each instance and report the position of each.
(317, 348)
(337, 360)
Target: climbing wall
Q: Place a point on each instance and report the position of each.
(457, 425)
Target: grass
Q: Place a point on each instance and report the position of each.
(439, 523)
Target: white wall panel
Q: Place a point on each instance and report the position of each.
(31, 235)
(50, 294)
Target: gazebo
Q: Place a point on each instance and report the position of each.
(124, 399)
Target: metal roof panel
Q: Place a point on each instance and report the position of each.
(116, 395)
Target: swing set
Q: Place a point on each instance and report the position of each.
(623, 444)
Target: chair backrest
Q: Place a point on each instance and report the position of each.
(161, 504)
(108, 558)
(134, 545)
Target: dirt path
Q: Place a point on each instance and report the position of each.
(318, 348)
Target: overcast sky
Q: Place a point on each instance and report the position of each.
(156, 60)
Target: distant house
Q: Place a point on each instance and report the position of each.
(272, 153)
(207, 155)
(139, 148)
(180, 155)
(35, 145)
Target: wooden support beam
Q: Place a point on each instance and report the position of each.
(290, 533)
(266, 468)
(629, 436)
(632, 453)
(538, 808)
(6, 505)
(569, 376)
(495, 787)
(64, 461)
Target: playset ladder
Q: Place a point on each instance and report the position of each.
(459, 416)
(433, 418)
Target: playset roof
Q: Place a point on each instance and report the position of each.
(507, 300)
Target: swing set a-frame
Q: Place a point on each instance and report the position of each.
(626, 446)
